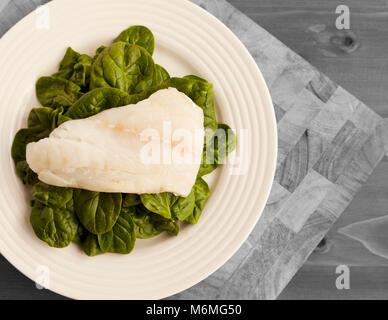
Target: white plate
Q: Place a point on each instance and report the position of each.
(188, 41)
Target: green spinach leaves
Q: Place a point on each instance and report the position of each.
(217, 148)
(176, 208)
(160, 203)
(96, 101)
(149, 224)
(75, 67)
(139, 35)
(201, 193)
(57, 226)
(121, 238)
(56, 92)
(41, 121)
(52, 196)
(97, 211)
(124, 66)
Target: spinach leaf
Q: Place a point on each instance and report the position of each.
(80, 235)
(159, 203)
(130, 200)
(123, 66)
(22, 138)
(201, 193)
(98, 51)
(66, 66)
(75, 67)
(168, 205)
(217, 149)
(25, 173)
(18, 153)
(101, 99)
(51, 195)
(208, 164)
(81, 73)
(56, 226)
(121, 238)
(40, 124)
(171, 227)
(161, 75)
(46, 119)
(88, 241)
(225, 142)
(96, 101)
(142, 218)
(140, 35)
(195, 78)
(183, 206)
(41, 117)
(41, 121)
(202, 93)
(97, 211)
(149, 224)
(91, 246)
(56, 92)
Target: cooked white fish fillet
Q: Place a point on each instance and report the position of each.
(149, 147)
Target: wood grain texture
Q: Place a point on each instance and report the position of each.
(368, 267)
(318, 282)
(364, 72)
(304, 103)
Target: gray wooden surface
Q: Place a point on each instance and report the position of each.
(365, 74)
(348, 138)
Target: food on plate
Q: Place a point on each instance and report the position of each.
(119, 148)
(108, 152)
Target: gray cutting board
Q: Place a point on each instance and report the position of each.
(329, 144)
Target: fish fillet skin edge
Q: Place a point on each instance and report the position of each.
(150, 147)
